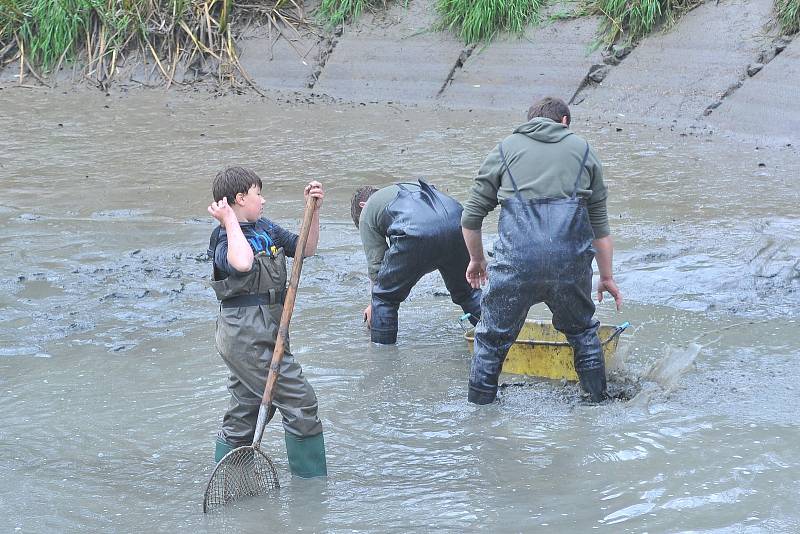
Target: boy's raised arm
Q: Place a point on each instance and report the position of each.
(240, 255)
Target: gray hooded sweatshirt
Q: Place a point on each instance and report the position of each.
(544, 157)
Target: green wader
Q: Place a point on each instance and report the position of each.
(251, 305)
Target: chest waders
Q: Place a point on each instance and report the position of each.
(247, 327)
(543, 253)
(424, 232)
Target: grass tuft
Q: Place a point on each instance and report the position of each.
(788, 15)
(481, 20)
(334, 12)
(630, 20)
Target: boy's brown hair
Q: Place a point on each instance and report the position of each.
(550, 108)
(362, 194)
(231, 181)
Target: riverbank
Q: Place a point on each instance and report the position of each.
(723, 68)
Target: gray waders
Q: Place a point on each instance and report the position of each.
(424, 235)
(543, 253)
(247, 328)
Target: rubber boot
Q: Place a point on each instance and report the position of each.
(384, 322)
(306, 455)
(593, 382)
(382, 336)
(476, 396)
(222, 448)
(590, 363)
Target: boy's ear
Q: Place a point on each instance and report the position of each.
(362, 204)
(238, 199)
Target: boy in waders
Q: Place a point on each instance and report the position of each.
(553, 222)
(249, 254)
(423, 228)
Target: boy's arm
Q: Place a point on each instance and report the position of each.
(483, 195)
(375, 247)
(604, 255)
(313, 189)
(476, 269)
(240, 255)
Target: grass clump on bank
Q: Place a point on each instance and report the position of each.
(43, 34)
(479, 20)
(334, 12)
(630, 20)
(788, 15)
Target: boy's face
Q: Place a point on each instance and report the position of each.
(251, 204)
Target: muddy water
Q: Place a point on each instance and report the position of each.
(112, 392)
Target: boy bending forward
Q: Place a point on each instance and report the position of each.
(249, 279)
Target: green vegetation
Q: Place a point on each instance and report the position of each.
(625, 20)
(334, 12)
(630, 20)
(42, 34)
(478, 20)
(788, 15)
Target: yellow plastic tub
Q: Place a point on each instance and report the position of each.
(541, 350)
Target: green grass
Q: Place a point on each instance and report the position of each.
(334, 12)
(481, 20)
(52, 27)
(630, 20)
(43, 33)
(788, 15)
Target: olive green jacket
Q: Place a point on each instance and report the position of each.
(544, 157)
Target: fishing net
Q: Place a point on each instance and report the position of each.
(243, 472)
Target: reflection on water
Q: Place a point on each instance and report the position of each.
(112, 392)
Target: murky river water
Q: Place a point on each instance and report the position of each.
(112, 392)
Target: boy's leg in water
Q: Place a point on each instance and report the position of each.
(297, 402)
(404, 264)
(238, 423)
(506, 301)
(573, 311)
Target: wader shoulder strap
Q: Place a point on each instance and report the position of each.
(508, 170)
(212, 243)
(431, 192)
(212, 247)
(402, 185)
(528, 208)
(580, 171)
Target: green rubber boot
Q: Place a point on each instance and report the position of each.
(222, 448)
(306, 455)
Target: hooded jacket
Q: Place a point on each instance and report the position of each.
(544, 157)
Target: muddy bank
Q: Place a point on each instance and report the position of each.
(722, 68)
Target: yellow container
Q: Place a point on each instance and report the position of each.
(541, 350)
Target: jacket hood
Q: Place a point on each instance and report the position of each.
(544, 130)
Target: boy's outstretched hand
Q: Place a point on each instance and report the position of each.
(314, 189)
(609, 285)
(223, 212)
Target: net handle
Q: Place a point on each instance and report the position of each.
(286, 317)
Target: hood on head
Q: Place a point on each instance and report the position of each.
(544, 130)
